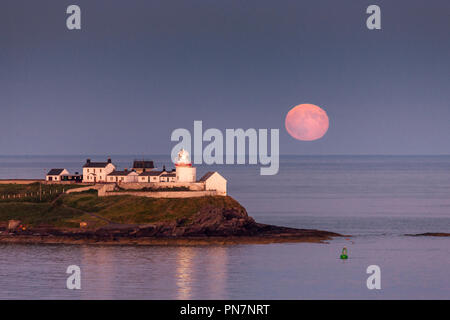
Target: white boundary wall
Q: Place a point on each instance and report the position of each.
(162, 194)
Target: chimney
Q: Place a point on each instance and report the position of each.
(109, 160)
(88, 160)
(164, 168)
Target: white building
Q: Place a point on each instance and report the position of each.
(168, 177)
(214, 181)
(123, 176)
(184, 170)
(150, 176)
(55, 174)
(97, 171)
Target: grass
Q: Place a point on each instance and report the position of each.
(39, 214)
(71, 209)
(132, 209)
(30, 192)
(12, 188)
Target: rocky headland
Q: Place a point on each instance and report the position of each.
(85, 218)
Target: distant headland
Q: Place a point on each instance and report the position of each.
(138, 206)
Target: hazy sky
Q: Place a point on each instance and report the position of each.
(139, 69)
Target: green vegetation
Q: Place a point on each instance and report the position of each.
(131, 209)
(34, 192)
(68, 210)
(38, 214)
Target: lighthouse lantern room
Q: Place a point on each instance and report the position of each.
(184, 169)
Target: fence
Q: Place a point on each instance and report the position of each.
(33, 194)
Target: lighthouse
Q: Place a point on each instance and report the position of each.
(184, 170)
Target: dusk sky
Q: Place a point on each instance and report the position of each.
(137, 70)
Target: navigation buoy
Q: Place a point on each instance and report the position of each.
(344, 255)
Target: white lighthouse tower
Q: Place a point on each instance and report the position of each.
(185, 171)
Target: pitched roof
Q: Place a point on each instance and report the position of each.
(55, 172)
(120, 173)
(207, 175)
(96, 164)
(151, 173)
(167, 174)
(143, 164)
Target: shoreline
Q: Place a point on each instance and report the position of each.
(166, 241)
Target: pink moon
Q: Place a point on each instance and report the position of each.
(307, 122)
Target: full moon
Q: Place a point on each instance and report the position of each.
(307, 122)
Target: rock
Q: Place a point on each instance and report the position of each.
(430, 234)
(13, 224)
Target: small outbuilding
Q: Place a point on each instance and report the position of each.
(72, 177)
(122, 176)
(215, 182)
(168, 177)
(150, 176)
(56, 174)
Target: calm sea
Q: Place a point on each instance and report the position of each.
(377, 199)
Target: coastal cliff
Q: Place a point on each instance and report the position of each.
(86, 218)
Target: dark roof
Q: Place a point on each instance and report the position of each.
(55, 172)
(169, 174)
(95, 164)
(120, 173)
(207, 175)
(143, 164)
(151, 173)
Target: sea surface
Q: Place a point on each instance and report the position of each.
(375, 199)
